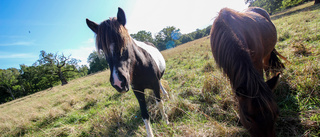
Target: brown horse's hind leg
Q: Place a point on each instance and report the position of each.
(266, 66)
(275, 65)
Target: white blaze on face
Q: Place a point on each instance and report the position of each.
(116, 80)
(155, 54)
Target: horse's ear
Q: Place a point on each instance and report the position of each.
(92, 25)
(273, 82)
(121, 17)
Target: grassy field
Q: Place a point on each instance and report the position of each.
(201, 100)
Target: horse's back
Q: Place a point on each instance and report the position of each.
(253, 21)
(260, 11)
(252, 27)
(154, 53)
(267, 28)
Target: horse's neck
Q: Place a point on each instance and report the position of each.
(138, 53)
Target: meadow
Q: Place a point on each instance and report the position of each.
(201, 100)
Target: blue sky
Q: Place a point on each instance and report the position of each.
(29, 26)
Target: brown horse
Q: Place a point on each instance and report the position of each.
(243, 44)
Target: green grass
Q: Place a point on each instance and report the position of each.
(201, 99)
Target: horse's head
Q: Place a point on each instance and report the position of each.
(258, 113)
(112, 37)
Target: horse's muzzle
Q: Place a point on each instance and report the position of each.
(122, 90)
(126, 89)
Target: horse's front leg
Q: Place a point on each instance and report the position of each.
(164, 92)
(144, 112)
(159, 102)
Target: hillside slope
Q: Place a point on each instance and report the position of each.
(201, 100)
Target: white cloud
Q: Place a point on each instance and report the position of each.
(15, 56)
(82, 52)
(187, 15)
(20, 43)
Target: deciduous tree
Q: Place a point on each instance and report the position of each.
(58, 64)
(165, 36)
(143, 36)
(97, 62)
(8, 80)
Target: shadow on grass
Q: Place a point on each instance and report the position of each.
(115, 96)
(126, 126)
(289, 123)
(120, 121)
(116, 123)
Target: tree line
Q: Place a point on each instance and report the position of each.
(274, 6)
(170, 37)
(49, 70)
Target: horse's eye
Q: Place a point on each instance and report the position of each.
(116, 72)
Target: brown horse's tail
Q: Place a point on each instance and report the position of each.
(275, 65)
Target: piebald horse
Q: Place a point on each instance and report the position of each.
(131, 62)
(243, 45)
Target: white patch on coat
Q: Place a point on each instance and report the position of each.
(148, 127)
(155, 54)
(116, 80)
